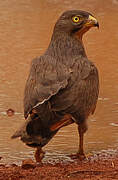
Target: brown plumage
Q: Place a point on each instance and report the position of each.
(62, 87)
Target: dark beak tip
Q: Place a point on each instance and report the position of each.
(97, 25)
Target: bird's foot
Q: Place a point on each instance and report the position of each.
(80, 156)
(39, 155)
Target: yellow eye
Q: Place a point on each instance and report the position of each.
(75, 19)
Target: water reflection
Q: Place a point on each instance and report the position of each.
(25, 31)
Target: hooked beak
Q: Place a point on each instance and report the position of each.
(92, 22)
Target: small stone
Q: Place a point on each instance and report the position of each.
(10, 112)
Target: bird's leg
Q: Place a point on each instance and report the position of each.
(81, 129)
(80, 154)
(39, 154)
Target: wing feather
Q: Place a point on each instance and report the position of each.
(64, 86)
(46, 78)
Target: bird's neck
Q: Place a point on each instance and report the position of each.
(65, 46)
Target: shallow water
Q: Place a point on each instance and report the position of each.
(25, 31)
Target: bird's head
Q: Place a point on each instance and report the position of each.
(76, 22)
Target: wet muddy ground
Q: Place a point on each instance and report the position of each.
(101, 166)
(25, 32)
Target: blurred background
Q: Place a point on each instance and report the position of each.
(25, 30)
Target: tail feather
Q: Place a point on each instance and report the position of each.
(36, 132)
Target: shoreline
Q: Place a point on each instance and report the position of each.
(103, 165)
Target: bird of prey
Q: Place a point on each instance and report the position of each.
(63, 85)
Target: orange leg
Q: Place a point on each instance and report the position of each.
(39, 154)
(81, 129)
(80, 154)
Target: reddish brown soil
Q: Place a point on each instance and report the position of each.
(103, 166)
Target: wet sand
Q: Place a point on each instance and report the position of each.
(101, 166)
